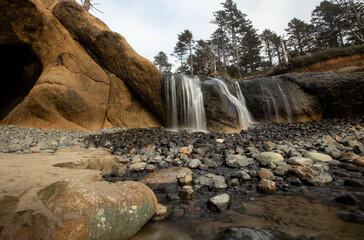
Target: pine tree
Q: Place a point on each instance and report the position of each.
(161, 61)
(186, 38)
(330, 25)
(179, 52)
(300, 36)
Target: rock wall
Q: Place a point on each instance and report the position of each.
(61, 85)
(338, 65)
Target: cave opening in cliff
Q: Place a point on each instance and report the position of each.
(20, 68)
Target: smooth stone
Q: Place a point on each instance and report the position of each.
(349, 167)
(317, 156)
(100, 212)
(236, 161)
(166, 176)
(353, 183)
(219, 202)
(194, 163)
(359, 161)
(265, 174)
(211, 180)
(348, 199)
(357, 216)
(300, 161)
(269, 157)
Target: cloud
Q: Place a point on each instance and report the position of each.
(151, 26)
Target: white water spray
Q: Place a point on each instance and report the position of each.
(185, 102)
(244, 116)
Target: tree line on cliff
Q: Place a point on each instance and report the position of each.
(236, 48)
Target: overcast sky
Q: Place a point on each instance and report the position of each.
(151, 26)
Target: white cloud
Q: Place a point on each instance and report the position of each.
(151, 26)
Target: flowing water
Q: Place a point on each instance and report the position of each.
(293, 216)
(269, 99)
(286, 104)
(239, 103)
(185, 102)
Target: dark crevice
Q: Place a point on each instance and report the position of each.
(20, 68)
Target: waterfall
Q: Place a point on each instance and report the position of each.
(286, 104)
(269, 98)
(239, 103)
(185, 102)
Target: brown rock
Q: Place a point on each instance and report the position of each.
(185, 150)
(112, 50)
(61, 86)
(267, 186)
(166, 176)
(359, 161)
(265, 174)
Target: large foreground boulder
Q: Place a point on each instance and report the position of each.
(50, 80)
(116, 211)
(54, 197)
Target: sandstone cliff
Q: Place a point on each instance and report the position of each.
(72, 72)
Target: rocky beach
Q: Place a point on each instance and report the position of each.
(202, 176)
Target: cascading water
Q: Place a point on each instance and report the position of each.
(185, 102)
(245, 119)
(269, 98)
(286, 104)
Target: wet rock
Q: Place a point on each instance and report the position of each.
(317, 156)
(281, 171)
(165, 176)
(267, 186)
(347, 157)
(312, 176)
(300, 161)
(162, 213)
(358, 149)
(349, 167)
(210, 163)
(186, 193)
(194, 163)
(236, 161)
(359, 161)
(184, 178)
(356, 216)
(265, 174)
(269, 157)
(211, 180)
(348, 199)
(234, 233)
(353, 183)
(220, 202)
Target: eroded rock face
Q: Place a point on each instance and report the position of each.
(305, 96)
(113, 52)
(58, 85)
